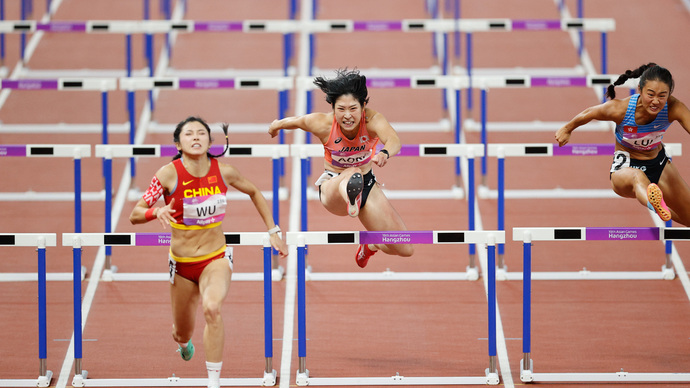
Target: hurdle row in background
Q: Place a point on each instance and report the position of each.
(283, 84)
(304, 152)
(301, 239)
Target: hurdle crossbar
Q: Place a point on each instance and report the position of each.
(489, 238)
(529, 235)
(309, 26)
(79, 240)
(40, 241)
(108, 152)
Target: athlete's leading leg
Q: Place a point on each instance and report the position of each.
(214, 283)
(379, 214)
(676, 194)
(184, 298)
(338, 193)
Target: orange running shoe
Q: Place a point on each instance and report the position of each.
(363, 255)
(656, 199)
(354, 193)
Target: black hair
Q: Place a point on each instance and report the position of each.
(345, 82)
(648, 72)
(190, 119)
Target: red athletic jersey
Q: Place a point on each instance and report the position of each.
(199, 202)
(342, 152)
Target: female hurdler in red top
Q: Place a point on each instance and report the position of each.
(194, 187)
(349, 135)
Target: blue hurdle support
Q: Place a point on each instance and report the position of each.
(488, 238)
(529, 235)
(40, 241)
(79, 240)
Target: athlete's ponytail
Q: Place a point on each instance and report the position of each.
(648, 72)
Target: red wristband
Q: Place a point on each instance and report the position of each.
(149, 214)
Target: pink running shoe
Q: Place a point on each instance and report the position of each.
(354, 193)
(656, 199)
(363, 255)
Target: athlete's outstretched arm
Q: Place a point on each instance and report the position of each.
(232, 176)
(310, 123)
(613, 110)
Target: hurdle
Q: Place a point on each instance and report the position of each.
(76, 151)
(104, 85)
(108, 152)
(132, 84)
(79, 240)
(501, 151)
(488, 238)
(468, 151)
(40, 241)
(527, 236)
(485, 83)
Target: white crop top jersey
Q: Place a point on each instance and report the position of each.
(641, 137)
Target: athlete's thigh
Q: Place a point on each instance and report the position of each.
(675, 189)
(623, 181)
(379, 214)
(214, 281)
(184, 298)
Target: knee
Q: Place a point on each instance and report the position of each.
(212, 312)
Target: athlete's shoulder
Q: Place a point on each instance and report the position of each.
(167, 175)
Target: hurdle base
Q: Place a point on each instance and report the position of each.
(277, 274)
(616, 377)
(41, 381)
(78, 379)
(174, 381)
(492, 377)
(113, 275)
(472, 273)
(502, 273)
(526, 374)
(302, 378)
(270, 379)
(668, 273)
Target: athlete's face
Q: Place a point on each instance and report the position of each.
(194, 139)
(653, 96)
(348, 112)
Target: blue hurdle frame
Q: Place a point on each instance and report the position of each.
(79, 240)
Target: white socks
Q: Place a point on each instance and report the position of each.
(213, 369)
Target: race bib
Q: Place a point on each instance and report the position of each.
(644, 142)
(204, 210)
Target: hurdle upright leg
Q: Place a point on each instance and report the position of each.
(302, 372)
(526, 366)
(269, 372)
(44, 375)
